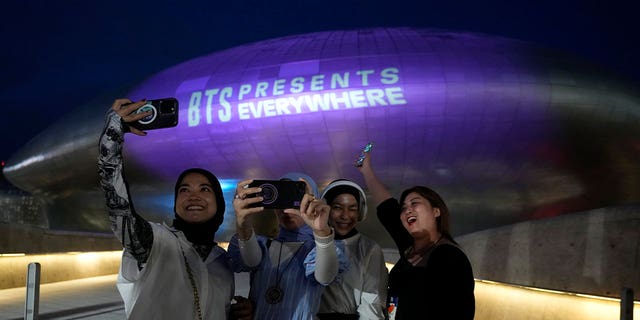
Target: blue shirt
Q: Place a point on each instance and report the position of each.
(295, 276)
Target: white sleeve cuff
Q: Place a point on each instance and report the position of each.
(324, 242)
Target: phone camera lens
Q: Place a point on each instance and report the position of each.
(167, 107)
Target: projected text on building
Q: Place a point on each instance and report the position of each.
(297, 95)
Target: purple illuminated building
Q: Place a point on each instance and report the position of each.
(505, 130)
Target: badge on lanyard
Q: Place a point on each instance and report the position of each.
(393, 307)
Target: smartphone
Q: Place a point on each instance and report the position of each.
(279, 194)
(164, 114)
(366, 149)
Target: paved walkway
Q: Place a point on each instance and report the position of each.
(91, 298)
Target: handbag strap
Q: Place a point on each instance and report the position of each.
(196, 296)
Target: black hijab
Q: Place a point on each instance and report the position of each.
(200, 233)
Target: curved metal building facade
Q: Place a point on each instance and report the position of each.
(505, 130)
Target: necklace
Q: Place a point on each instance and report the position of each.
(274, 293)
(415, 256)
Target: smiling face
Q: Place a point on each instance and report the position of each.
(195, 200)
(418, 216)
(344, 213)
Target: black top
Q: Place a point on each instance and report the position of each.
(440, 287)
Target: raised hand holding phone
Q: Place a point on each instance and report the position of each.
(161, 113)
(367, 148)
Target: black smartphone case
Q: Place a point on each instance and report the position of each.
(279, 194)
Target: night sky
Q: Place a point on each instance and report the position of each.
(57, 55)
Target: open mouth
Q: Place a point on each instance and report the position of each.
(343, 224)
(194, 207)
(411, 220)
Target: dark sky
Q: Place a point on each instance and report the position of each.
(59, 54)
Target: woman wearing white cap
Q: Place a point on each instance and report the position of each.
(361, 292)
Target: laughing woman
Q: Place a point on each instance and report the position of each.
(433, 278)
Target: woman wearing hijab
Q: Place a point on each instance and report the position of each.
(167, 272)
(288, 273)
(361, 292)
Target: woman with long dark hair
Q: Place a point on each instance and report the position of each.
(433, 278)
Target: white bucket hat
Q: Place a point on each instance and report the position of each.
(362, 201)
